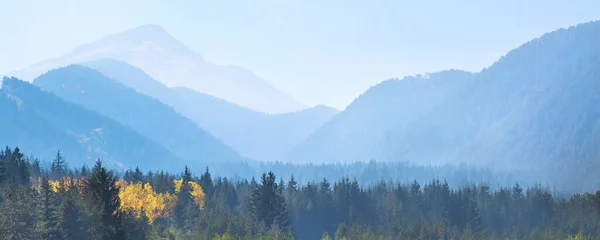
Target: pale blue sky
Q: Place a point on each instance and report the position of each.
(317, 51)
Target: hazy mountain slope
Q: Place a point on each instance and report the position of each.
(535, 107)
(149, 117)
(253, 134)
(131, 77)
(258, 135)
(41, 123)
(166, 59)
(356, 133)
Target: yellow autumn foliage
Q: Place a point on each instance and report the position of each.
(197, 193)
(177, 183)
(138, 196)
(66, 183)
(195, 190)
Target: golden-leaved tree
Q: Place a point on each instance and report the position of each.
(196, 191)
(138, 197)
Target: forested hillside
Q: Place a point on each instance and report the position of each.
(147, 116)
(357, 133)
(535, 108)
(65, 203)
(43, 124)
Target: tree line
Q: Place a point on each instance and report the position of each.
(80, 203)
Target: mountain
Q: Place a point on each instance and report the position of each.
(163, 57)
(357, 133)
(253, 134)
(535, 108)
(42, 123)
(149, 117)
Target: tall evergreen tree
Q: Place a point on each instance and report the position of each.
(18, 167)
(2, 167)
(268, 202)
(17, 214)
(206, 183)
(49, 211)
(105, 195)
(137, 175)
(71, 225)
(185, 208)
(85, 172)
(58, 168)
(36, 170)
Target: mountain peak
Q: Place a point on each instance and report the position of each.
(149, 33)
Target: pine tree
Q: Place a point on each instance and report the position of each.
(136, 227)
(268, 203)
(85, 172)
(18, 168)
(206, 183)
(17, 214)
(137, 175)
(105, 194)
(58, 168)
(71, 225)
(36, 169)
(185, 209)
(187, 175)
(3, 169)
(49, 211)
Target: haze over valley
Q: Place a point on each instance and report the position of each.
(495, 118)
(136, 134)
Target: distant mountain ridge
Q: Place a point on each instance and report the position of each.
(356, 134)
(536, 107)
(253, 134)
(156, 52)
(149, 117)
(42, 123)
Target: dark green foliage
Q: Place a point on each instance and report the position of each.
(206, 183)
(58, 167)
(49, 211)
(244, 209)
(268, 203)
(104, 194)
(71, 225)
(17, 219)
(185, 210)
(35, 170)
(134, 228)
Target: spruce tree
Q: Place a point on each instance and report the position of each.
(268, 203)
(58, 168)
(137, 175)
(84, 172)
(36, 170)
(185, 208)
(49, 211)
(206, 183)
(17, 214)
(17, 167)
(71, 225)
(105, 195)
(3, 169)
